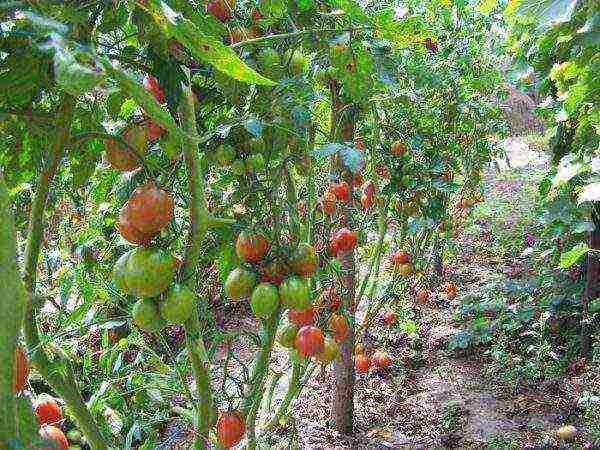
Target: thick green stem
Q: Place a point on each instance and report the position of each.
(199, 224)
(11, 315)
(292, 392)
(39, 359)
(259, 372)
(376, 258)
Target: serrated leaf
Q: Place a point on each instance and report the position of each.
(572, 256)
(73, 77)
(487, 6)
(402, 33)
(208, 48)
(352, 8)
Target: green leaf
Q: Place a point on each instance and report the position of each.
(208, 48)
(548, 12)
(487, 6)
(74, 78)
(403, 33)
(572, 256)
(352, 8)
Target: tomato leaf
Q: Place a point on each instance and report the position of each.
(572, 256)
(547, 12)
(208, 48)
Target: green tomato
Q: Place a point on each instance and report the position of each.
(146, 316)
(178, 304)
(239, 284)
(299, 62)
(287, 335)
(295, 293)
(238, 168)
(255, 163)
(224, 155)
(264, 301)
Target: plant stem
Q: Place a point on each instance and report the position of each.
(11, 315)
(254, 399)
(199, 223)
(39, 359)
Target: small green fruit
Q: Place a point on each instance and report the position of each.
(295, 293)
(146, 316)
(239, 284)
(265, 300)
(178, 304)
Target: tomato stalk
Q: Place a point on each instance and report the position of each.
(376, 257)
(11, 317)
(343, 122)
(39, 359)
(198, 225)
(259, 372)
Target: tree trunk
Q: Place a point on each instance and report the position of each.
(343, 121)
(592, 286)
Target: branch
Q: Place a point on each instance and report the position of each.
(39, 359)
(11, 316)
(199, 224)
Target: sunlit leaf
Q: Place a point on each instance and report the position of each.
(208, 48)
(547, 12)
(572, 256)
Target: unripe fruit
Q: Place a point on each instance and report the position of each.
(55, 436)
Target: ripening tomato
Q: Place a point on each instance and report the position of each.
(359, 348)
(302, 317)
(381, 360)
(328, 203)
(401, 257)
(342, 240)
(20, 369)
(405, 270)
(152, 84)
(220, 9)
(398, 148)
(331, 351)
(363, 363)
(53, 434)
(369, 189)
(431, 45)
(341, 191)
(256, 14)
(423, 295)
(449, 290)
(366, 202)
(357, 180)
(359, 143)
(231, 427)
(309, 341)
(389, 317)
(338, 324)
(251, 247)
(47, 410)
(382, 171)
(329, 299)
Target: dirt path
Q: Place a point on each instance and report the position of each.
(449, 402)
